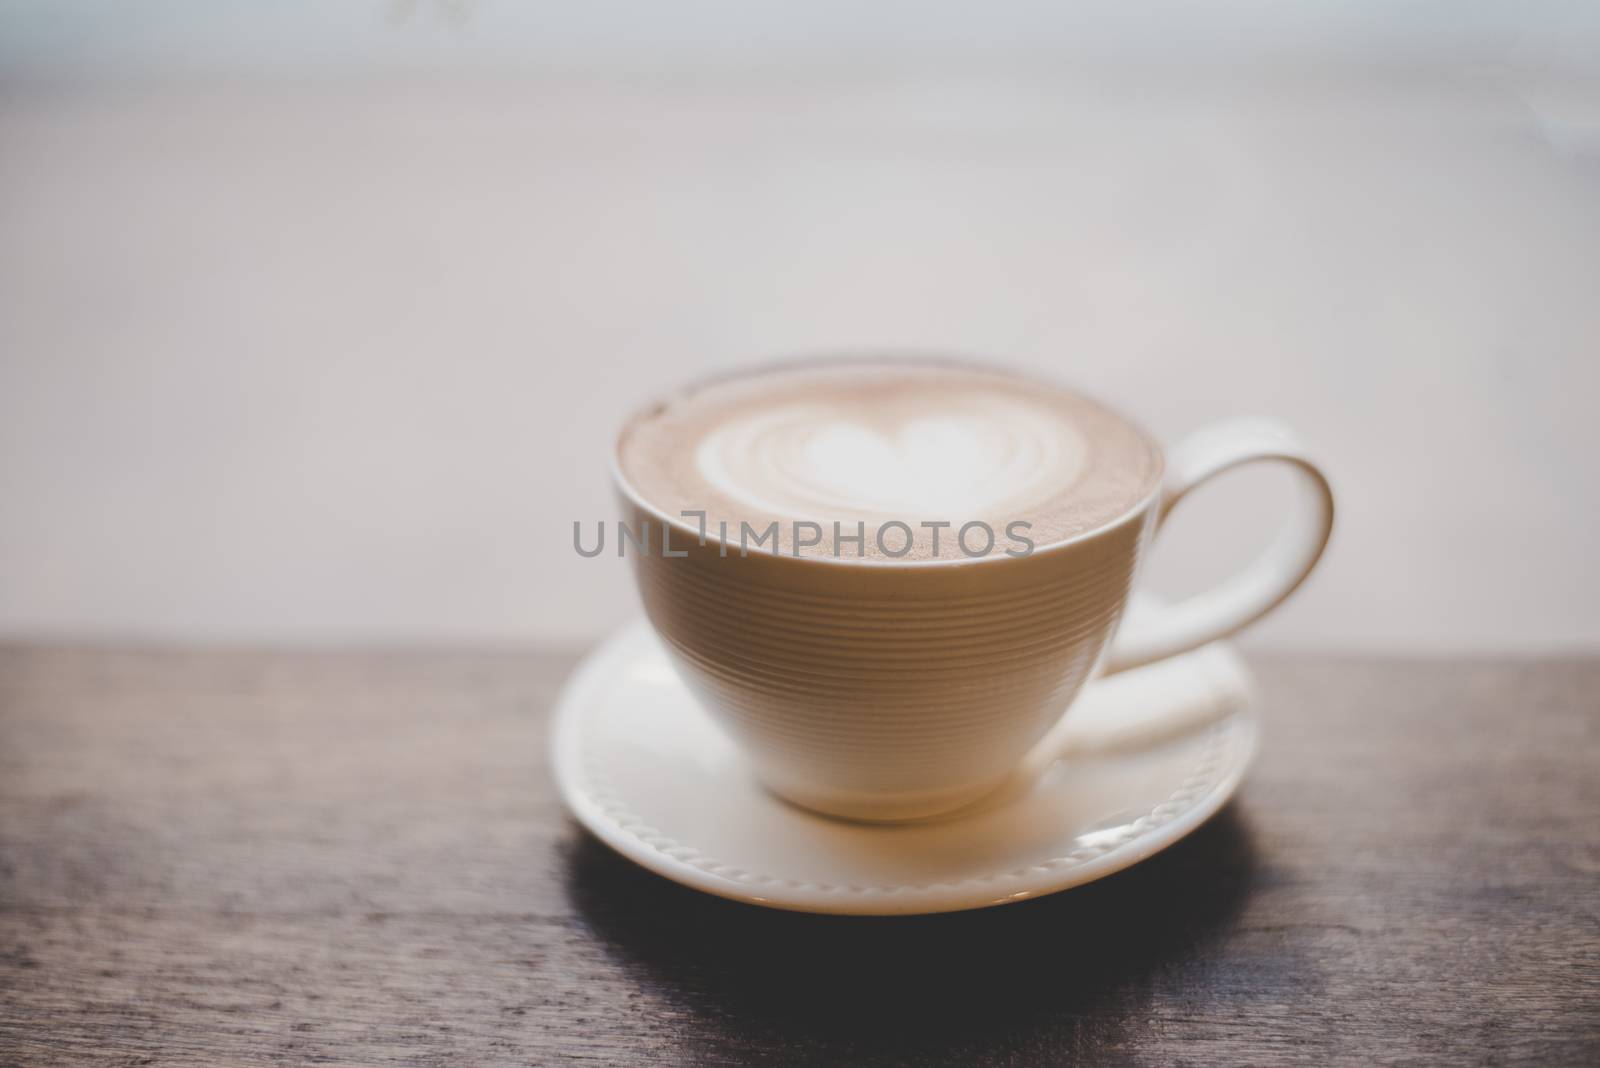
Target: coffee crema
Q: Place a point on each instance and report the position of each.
(870, 443)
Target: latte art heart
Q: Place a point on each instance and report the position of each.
(875, 442)
(981, 457)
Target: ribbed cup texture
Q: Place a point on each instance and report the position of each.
(884, 690)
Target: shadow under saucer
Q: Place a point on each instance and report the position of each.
(748, 982)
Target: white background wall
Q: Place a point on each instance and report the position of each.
(315, 326)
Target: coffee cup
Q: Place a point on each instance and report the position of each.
(900, 676)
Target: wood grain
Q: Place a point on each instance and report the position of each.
(358, 858)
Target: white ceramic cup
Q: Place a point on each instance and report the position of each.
(891, 690)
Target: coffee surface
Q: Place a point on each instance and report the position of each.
(872, 443)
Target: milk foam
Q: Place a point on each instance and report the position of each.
(948, 455)
(874, 442)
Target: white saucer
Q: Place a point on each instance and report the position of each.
(1148, 756)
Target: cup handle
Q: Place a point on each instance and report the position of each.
(1263, 584)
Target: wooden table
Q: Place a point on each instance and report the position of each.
(255, 858)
